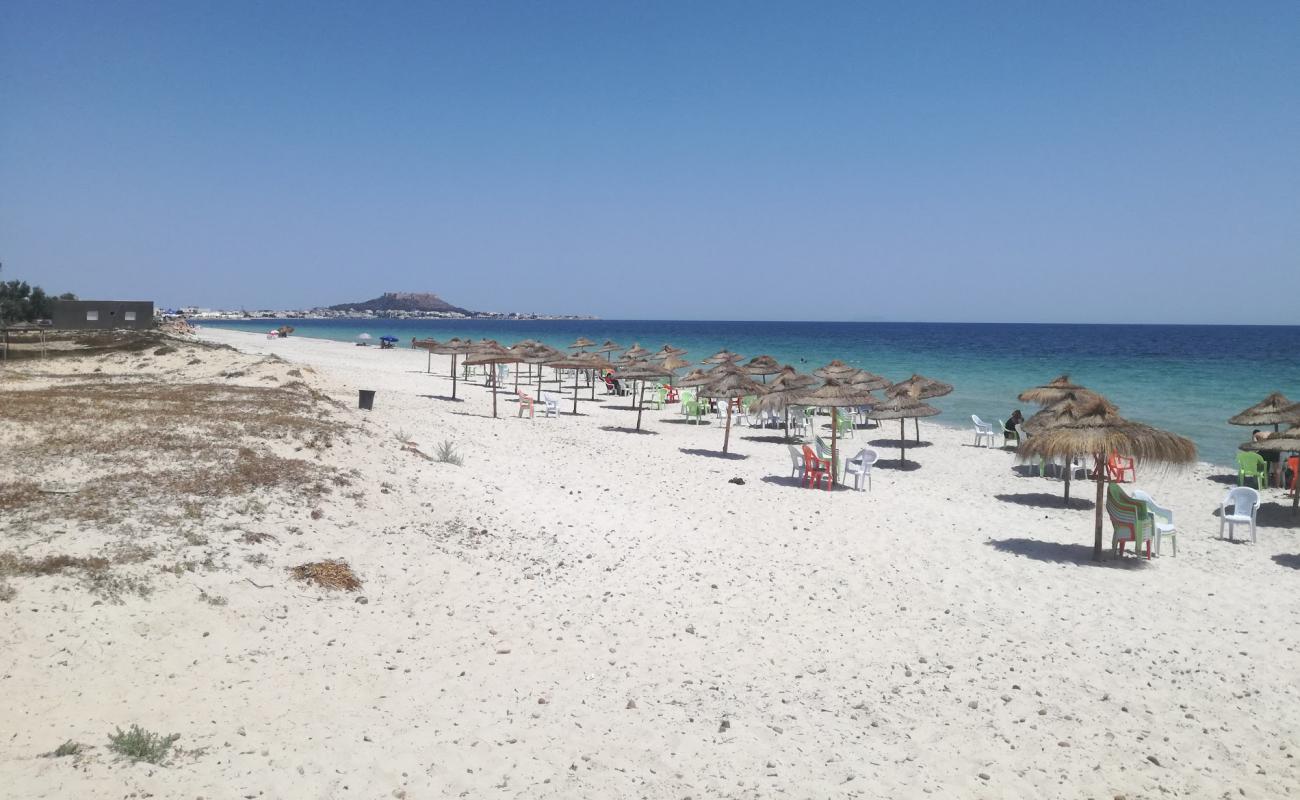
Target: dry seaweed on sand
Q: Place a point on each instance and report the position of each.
(331, 574)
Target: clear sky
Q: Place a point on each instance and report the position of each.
(1034, 161)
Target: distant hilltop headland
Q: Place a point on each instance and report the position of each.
(389, 305)
(404, 301)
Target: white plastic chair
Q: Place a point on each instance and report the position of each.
(860, 467)
(552, 402)
(798, 421)
(1245, 503)
(983, 431)
(796, 461)
(1164, 520)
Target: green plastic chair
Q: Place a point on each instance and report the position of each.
(843, 422)
(1131, 515)
(693, 408)
(1252, 465)
(658, 396)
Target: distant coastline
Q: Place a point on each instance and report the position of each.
(330, 314)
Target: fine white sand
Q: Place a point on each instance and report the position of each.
(580, 611)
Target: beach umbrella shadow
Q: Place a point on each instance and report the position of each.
(696, 451)
(1045, 500)
(1080, 555)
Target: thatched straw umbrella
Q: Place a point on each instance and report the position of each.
(454, 347)
(430, 345)
(608, 349)
(723, 356)
(1100, 430)
(492, 354)
(577, 362)
(672, 364)
(781, 393)
(581, 343)
(730, 383)
(834, 394)
(927, 388)
(1071, 407)
(836, 369)
(666, 351)
(640, 371)
(636, 352)
(1288, 441)
(541, 354)
(1051, 391)
(1273, 410)
(902, 407)
(762, 366)
(696, 377)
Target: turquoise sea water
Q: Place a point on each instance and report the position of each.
(1184, 378)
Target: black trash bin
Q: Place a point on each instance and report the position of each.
(367, 399)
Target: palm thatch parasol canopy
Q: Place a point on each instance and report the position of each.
(732, 381)
(641, 371)
(723, 356)
(926, 387)
(581, 343)
(834, 393)
(903, 406)
(1069, 408)
(696, 377)
(453, 347)
(837, 370)
(578, 362)
(782, 390)
(763, 366)
(1050, 392)
(431, 345)
(668, 350)
(868, 380)
(1272, 410)
(490, 352)
(1100, 430)
(609, 347)
(636, 352)
(1288, 441)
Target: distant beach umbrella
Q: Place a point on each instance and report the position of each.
(836, 370)
(672, 364)
(429, 345)
(723, 357)
(696, 377)
(762, 366)
(732, 383)
(781, 392)
(577, 362)
(835, 394)
(668, 350)
(1287, 441)
(1052, 391)
(927, 388)
(582, 343)
(608, 349)
(365, 337)
(636, 352)
(1101, 431)
(454, 347)
(539, 355)
(1273, 410)
(902, 407)
(641, 371)
(491, 354)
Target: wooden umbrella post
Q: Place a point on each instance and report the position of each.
(835, 428)
(453, 376)
(1101, 488)
(902, 440)
(575, 391)
(638, 403)
(494, 392)
(726, 439)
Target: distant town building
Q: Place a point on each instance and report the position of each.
(101, 314)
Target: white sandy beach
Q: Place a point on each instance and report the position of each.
(582, 612)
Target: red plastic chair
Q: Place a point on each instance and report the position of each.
(672, 393)
(1118, 465)
(814, 469)
(1293, 464)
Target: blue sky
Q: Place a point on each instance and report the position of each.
(1036, 161)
